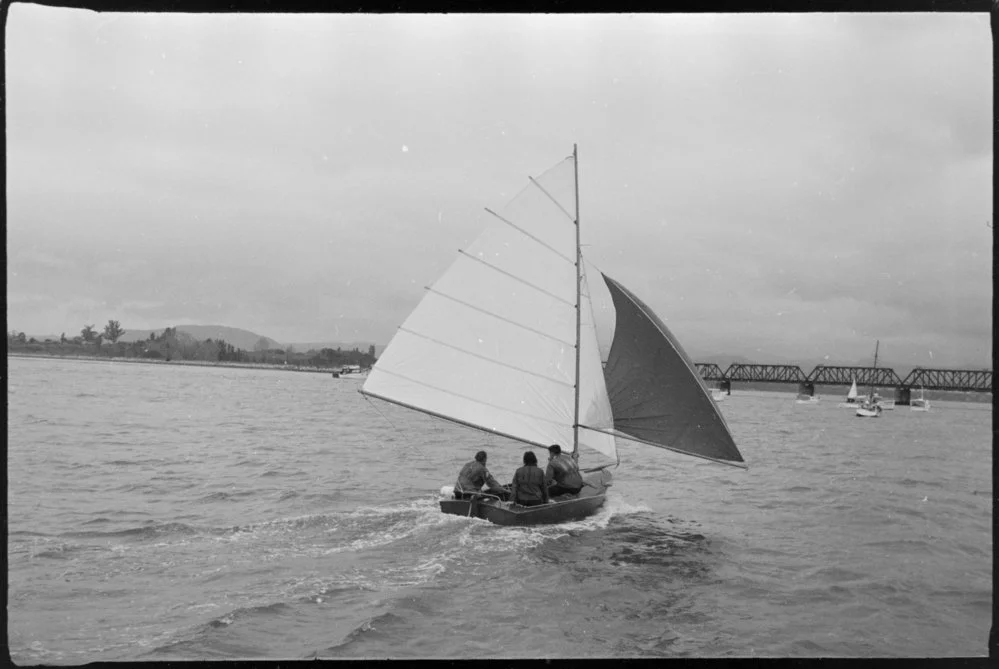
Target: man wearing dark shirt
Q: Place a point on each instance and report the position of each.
(473, 476)
(562, 473)
(528, 488)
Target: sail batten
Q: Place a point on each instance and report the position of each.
(557, 203)
(529, 235)
(517, 278)
(523, 414)
(487, 359)
(497, 316)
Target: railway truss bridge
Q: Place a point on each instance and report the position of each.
(957, 380)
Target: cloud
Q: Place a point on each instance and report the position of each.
(784, 183)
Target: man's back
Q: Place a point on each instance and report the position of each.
(473, 475)
(564, 470)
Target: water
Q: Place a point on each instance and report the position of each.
(161, 512)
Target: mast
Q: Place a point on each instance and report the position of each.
(877, 343)
(579, 281)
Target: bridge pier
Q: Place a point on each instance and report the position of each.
(903, 395)
(806, 388)
(725, 386)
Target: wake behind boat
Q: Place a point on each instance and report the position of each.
(505, 342)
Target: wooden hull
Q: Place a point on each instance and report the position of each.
(869, 413)
(563, 509)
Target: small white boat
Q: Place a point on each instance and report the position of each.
(851, 397)
(804, 398)
(920, 403)
(351, 372)
(718, 395)
(869, 409)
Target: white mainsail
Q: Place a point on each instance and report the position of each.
(852, 395)
(492, 345)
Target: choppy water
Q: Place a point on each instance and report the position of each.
(162, 512)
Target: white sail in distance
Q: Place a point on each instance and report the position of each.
(492, 345)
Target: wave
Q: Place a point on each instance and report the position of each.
(201, 640)
(153, 529)
(248, 612)
(371, 629)
(222, 496)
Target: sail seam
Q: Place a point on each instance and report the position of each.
(487, 359)
(498, 317)
(471, 399)
(557, 203)
(528, 234)
(517, 278)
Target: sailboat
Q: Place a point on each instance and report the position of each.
(505, 342)
(851, 396)
(870, 407)
(920, 403)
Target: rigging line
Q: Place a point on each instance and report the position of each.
(374, 406)
(528, 234)
(470, 399)
(622, 435)
(557, 203)
(487, 359)
(516, 278)
(498, 317)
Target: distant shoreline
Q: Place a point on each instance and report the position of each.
(773, 388)
(187, 363)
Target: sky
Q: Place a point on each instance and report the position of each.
(776, 187)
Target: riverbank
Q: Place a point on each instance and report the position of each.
(189, 363)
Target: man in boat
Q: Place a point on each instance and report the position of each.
(473, 476)
(562, 474)
(528, 487)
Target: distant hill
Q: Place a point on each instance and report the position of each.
(239, 338)
(247, 340)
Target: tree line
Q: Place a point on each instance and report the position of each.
(172, 344)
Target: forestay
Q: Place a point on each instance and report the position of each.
(492, 343)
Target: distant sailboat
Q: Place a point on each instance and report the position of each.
(851, 396)
(920, 403)
(870, 408)
(505, 342)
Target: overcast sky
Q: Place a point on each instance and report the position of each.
(773, 186)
